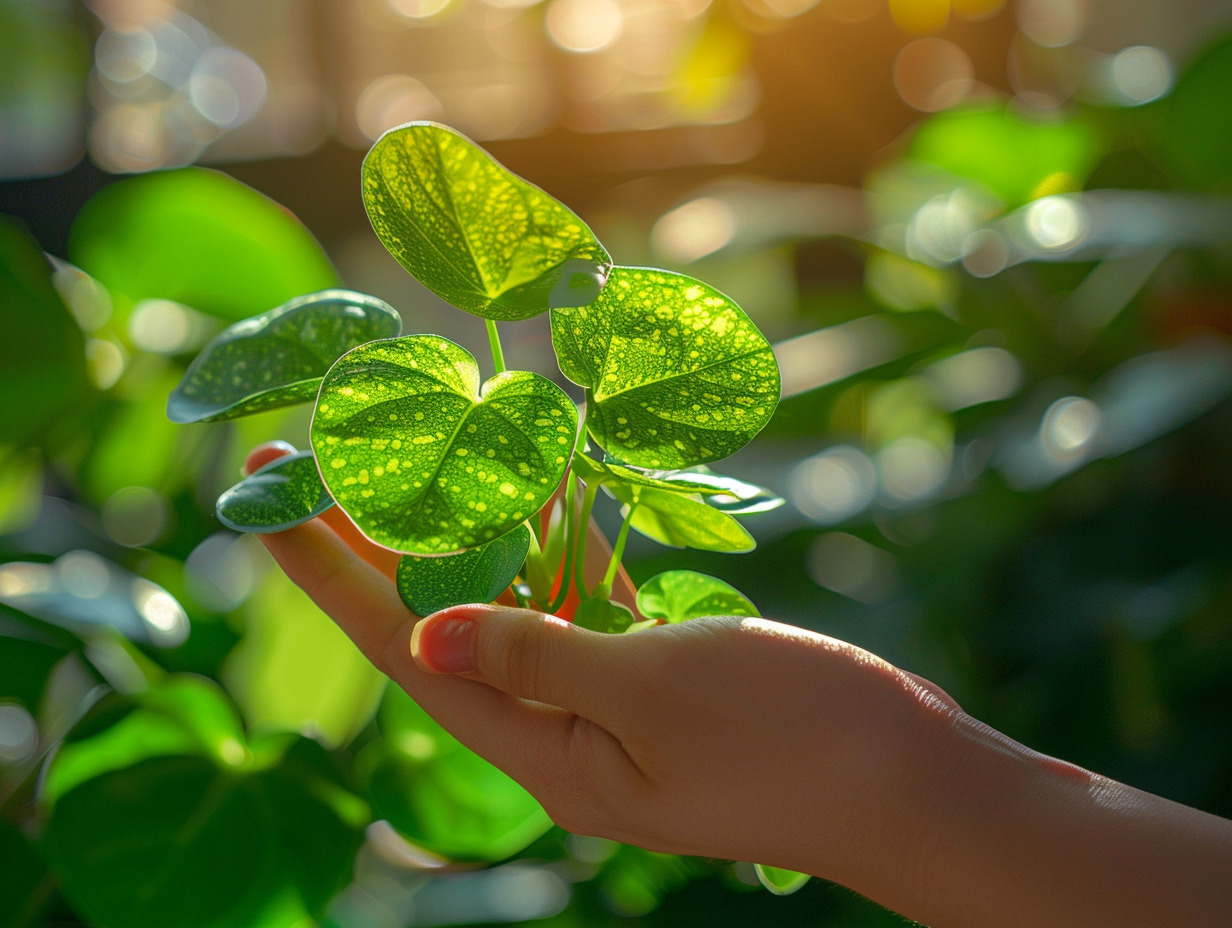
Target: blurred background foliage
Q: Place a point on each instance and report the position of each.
(989, 238)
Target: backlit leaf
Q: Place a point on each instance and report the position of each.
(475, 234)
(603, 615)
(675, 373)
(780, 882)
(680, 595)
(443, 796)
(681, 521)
(200, 238)
(422, 459)
(279, 357)
(735, 497)
(282, 494)
(477, 575)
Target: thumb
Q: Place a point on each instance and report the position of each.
(526, 654)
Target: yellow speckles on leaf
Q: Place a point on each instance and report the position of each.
(419, 417)
(336, 463)
(363, 476)
(347, 391)
(461, 452)
(523, 468)
(508, 489)
(481, 507)
(422, 440)
(471, 428)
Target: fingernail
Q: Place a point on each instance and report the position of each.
(444, 646)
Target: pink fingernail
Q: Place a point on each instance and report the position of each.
(444, 646)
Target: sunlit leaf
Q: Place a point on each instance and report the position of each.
(478, 236)
(680, 595)
(294, 670)
(780, 882)
(282, 494)
(426, 462)
(675, 373)
(200, 238)
(444, 797)
(477, 575)
(1198, 137)
(42, 353)
(184, 714)
(279, 357)
(603, 615)
(672, 518)
(1015, 156)
(728, 494)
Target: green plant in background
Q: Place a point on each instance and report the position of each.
(428, 461)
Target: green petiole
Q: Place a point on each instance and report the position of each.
(498, 355)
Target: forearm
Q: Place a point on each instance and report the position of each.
(1019, 839)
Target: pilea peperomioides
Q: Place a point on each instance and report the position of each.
(452, 473)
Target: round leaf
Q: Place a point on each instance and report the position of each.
(279, 357)
(443, 796)
(780, 882)
(282, 494)
(672, 518)
(473, 233)
(170, 841)
(478, 575)
(425, 462)
(675, 373)
(200, 238)
(679, 595)
(603, 615)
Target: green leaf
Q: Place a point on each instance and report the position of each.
(476, 235)
(679, 595)
(425, 462)
(1009, 153)
(780, 882)
(282, 494)
(675, 373)
(735, 497)
(444, 797)
(672, 518)
(42, 353)
(603, 615)
(200, 238)
(294, 669)
(279, 357)
(1197, 137)
(25, 883)
(477, 575)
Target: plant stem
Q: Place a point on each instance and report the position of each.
(563, 593)
(498, 356)
(579, 561)
(618, 551)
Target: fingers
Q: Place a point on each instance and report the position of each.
(531, 656)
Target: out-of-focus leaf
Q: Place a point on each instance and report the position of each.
(443, 796)
(21, 487)
(473, 233)
(279, 357)
(1011, 154)
(25, 883)
(42, 352)
(169, 841)
(422, 459)
(282, 494)
(137, 446)
(675, 373)
(1198, 137)
(478, 575)
(200, 238)
(183, 715)
(294, 670)
(681, 521)
(780, 882)
(603, 615)
(680, 595)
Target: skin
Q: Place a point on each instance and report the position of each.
(752, 740)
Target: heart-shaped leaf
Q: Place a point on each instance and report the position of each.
(779, 881)
(680, 595)
(443, 796)
(284, 493)
(603, 615)
(473, 233)
(678, 520)
(279, 357)
(675, 373)
(477, 575)
(425, 462)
